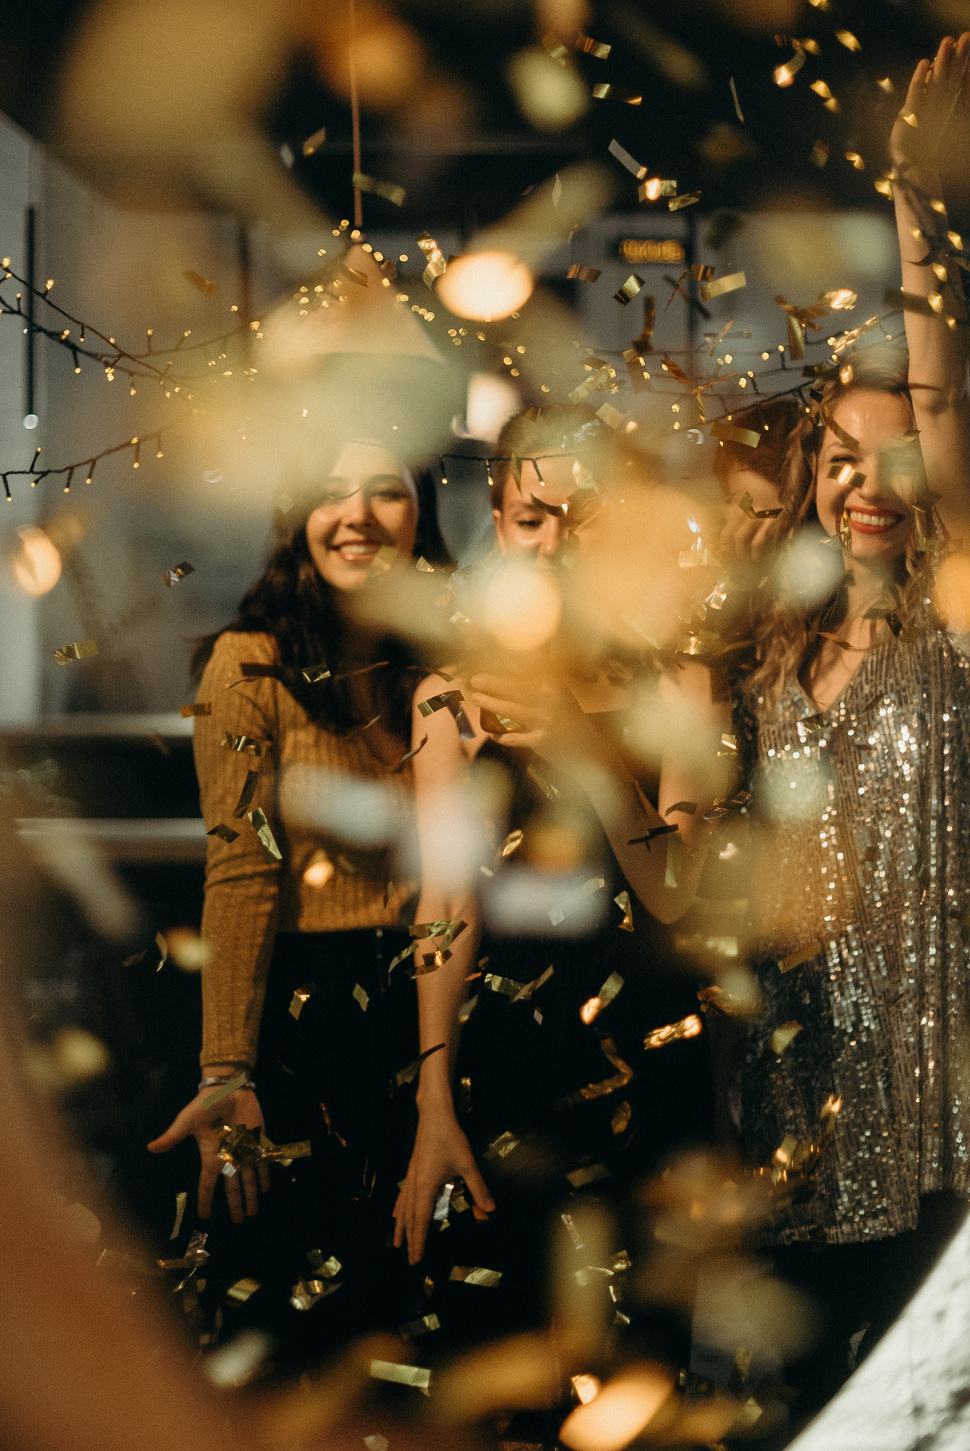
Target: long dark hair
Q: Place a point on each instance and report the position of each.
(304, 615)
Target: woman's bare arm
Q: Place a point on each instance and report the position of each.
(935, 317)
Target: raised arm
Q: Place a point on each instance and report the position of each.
(451, 845)
(936, 329)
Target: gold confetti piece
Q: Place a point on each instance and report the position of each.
(361, 997)
(746, 505)
(225, 833)
(243, 744)
(620, 1121)
(784, 1036)
(729, 743)
(731, 433)
(819, 154)
(509, 846)
(200, 284)
(180, 1202)
(611, 416)
(526, 990)
(847, 476)
(502, 1146)
(172, 576)
(600, 378)
(795, 959)
(677, 203)
(389, 190)
(241, 1290)
(307, 1293)
(412, 1069)
(732, 283)
(162, 947)
(578, 273)
(477, 1276)
(224, 1090)
(605, 92)
(575, 900)
(688, 1027)
(247, 793)
(856, 160)
(588, 1174)
(200, 708)
(929, 306)
(846, 38)
(821, 88)
(910, 118)
(313, 143)
(267, 840)
(606, 994)
(376, 1443)
(629, 289)
(242, 1148)
(597, 48)
(327, 1268)
(784, 75)
(622, 1076)
(688, 808)
(886, 85)
(449, 700)
(79, 650)
(414, 1328)
(622, 900)
(625, 159)
(734, 98)
(405, 1375)
(656, 187)
(435, 259)
(299, 998)
(313, 674)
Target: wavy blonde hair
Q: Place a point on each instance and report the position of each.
(786, 634)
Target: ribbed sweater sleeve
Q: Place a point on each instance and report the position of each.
(241, 885)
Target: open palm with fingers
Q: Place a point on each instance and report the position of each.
(934, 91)
(204, 1122)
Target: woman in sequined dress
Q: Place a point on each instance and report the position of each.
(858, 723)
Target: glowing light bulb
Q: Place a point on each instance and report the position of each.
(485, 285)
(37, 563)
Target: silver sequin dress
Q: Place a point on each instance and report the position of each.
(864, 812)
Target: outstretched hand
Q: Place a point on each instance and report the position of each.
(239, 1108)
(933, 93)
(441, 1152)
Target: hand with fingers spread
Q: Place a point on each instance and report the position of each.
(202, 1121)
(933, 93)
(441, 1152)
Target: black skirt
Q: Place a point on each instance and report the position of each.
(335, 1032)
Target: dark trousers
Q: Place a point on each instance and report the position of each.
(327, 1075)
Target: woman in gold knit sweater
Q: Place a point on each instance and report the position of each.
(302, 723)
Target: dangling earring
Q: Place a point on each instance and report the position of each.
(845, 531)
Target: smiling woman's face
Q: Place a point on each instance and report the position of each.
(874, 475)
(365, 505)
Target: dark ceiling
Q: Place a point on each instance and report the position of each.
(686, 127)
